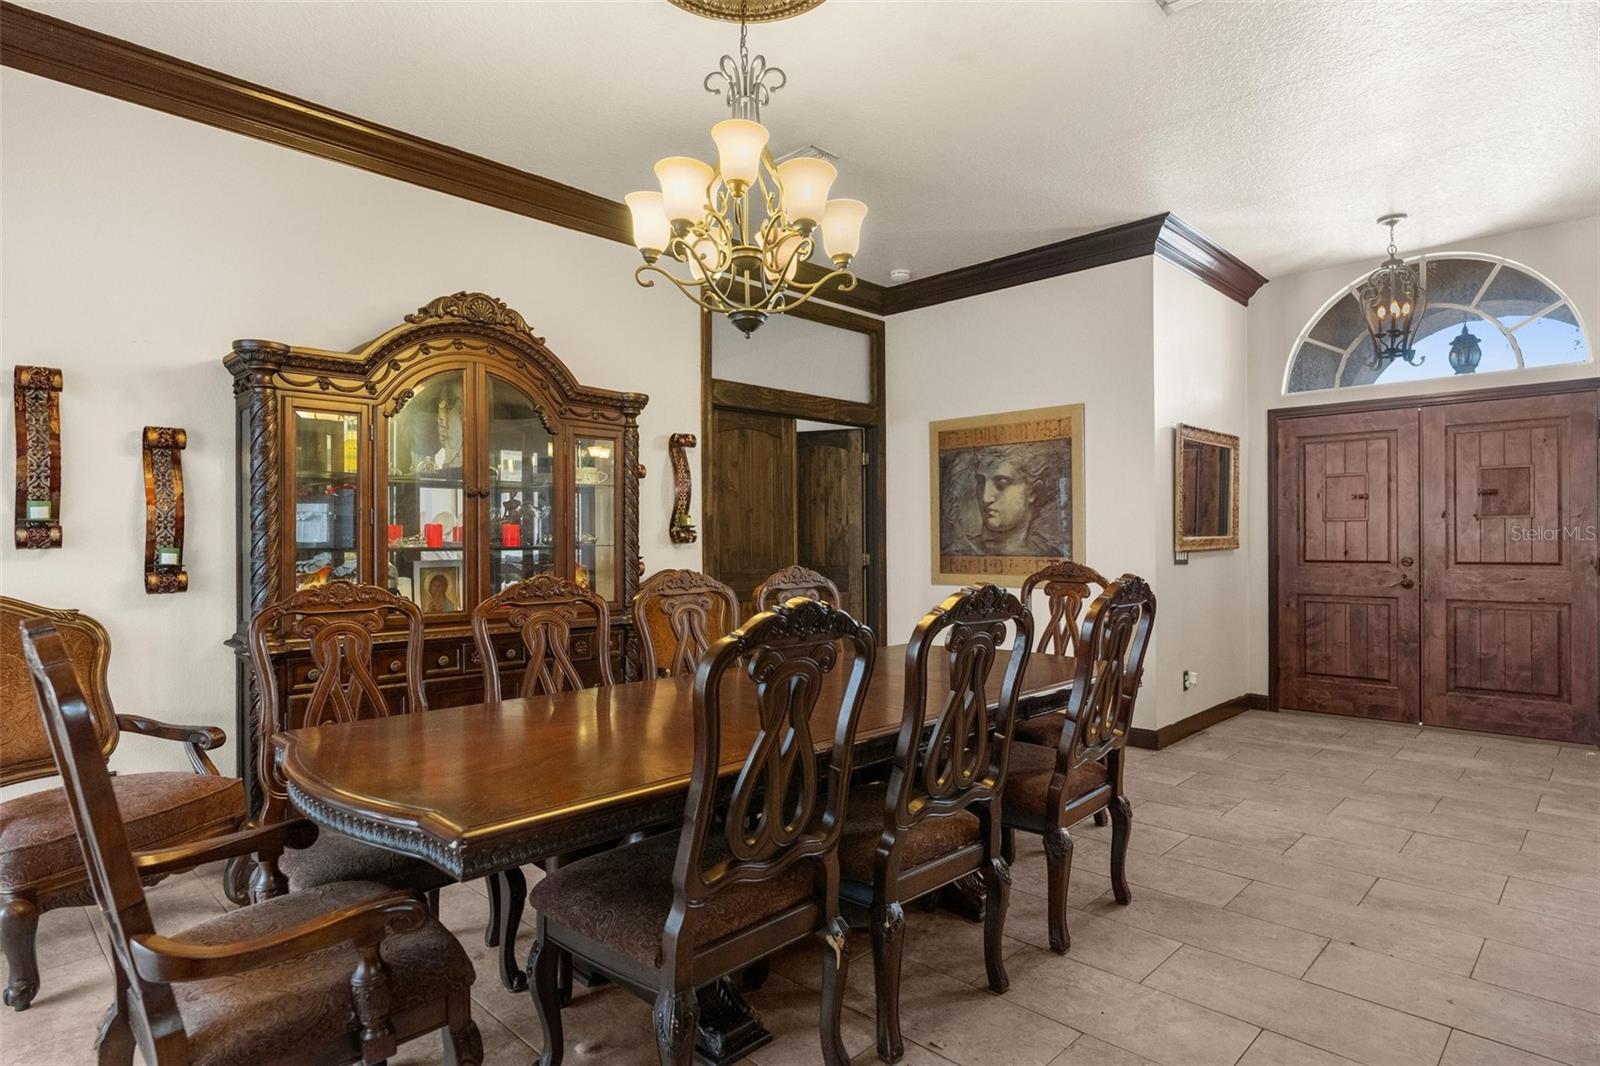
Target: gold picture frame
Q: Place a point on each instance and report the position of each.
(1005, 494)
(1205, 490)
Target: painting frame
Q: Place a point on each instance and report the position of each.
(424, 570)
(1182, 490)
(954, 522)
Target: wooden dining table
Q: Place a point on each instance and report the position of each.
(484, 789)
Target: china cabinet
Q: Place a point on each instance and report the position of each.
(445, 460)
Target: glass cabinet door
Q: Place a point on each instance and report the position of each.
(326, 528)
(596, 514)
(425, 497)
(521, 467)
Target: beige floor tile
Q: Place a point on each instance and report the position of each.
(793, 1014)
(59, 1029)
(1537, 842)
(1194, 799)
(1408, 794)
(1299, 820)
(1408, 780)
(1087, 1051)
(1540, 932)
(1522, 1021)
(1547, 976)
(1556, 902)
(1160, 773)
(1176, 760)
(1166, 874)
(1577, 873)
(1404, 865)
(945, 942)
(1155, 839)
(500, 1046)
(1309, 793)
(1270, 1049)
(1234, 830)
(1569, 808)
(1226, 932)
(1464, 1049)
(1120, 948)
(1522, 818)
(1324, 1018)
(1134, 1017)
(1090, 875)
(1459, 826)
(1286, 871)
(65, 935)
(1447, 949)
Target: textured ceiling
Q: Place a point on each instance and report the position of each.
(1280, 128)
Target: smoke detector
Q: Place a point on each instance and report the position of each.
(899, 274)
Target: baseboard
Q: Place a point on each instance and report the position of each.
(1167, 735)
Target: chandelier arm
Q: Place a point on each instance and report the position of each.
(686, 287)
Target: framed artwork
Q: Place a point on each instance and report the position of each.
(1205, 490)
(436, 585)
(1006, 494)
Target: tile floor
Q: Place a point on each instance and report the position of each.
(1307, 890)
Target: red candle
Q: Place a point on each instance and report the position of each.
(433, 533)
(395, 532)
(511, 535)
(455, 534)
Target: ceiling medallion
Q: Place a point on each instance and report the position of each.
(1393, 301)
(743, 227)
(746, 10)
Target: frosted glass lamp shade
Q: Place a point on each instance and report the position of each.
(740, 143)
(841, 228)
(684, 187)
(806, 182)
(651, 232)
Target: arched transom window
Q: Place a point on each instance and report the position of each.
(1517, 317)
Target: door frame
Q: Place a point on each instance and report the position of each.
(1278, 414)
(869, 416)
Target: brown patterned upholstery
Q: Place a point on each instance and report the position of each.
(1045, 730)
(242, 1021)
(1028, 780)
(925, 841)
(621, 897)
(336, 857)
(24, 748)
(38, 841)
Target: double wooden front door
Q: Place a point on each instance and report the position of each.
(1438, 564)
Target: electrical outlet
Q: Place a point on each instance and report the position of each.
(1191, 678)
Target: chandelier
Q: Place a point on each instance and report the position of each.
(1393, 301)
(741, 229)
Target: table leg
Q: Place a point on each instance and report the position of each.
(508, 892)
(729, 1027)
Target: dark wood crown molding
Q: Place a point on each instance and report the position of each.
(68, 53)
(1163, 235)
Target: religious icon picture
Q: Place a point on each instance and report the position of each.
(1006, 494)
(436, 585)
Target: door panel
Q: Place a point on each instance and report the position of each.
(831, 490)
(1510, 558)
(1348, 602)
(753, 482)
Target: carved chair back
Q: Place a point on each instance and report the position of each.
(71, 724)
(24, 745)
(678, 614)
(1066, 587)
(779, 812)
(543, 610)
(963, 761)
(794, 581)
(1108, 672)
(338, 622)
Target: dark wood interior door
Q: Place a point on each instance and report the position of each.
(1509, 553)
(831, 494)
(753, 485)
(1346, 552)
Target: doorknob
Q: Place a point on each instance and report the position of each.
(1407, 583)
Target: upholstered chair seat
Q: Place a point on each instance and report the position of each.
(39, 850)
(924, 842)
(1044, 730)
(336, 857)
(620, 898)
(1028, 781)
(233, 1022)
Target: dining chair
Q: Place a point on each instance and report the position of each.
(791, 581)
(678, 614)
(1050, 789)
(542, 610)
(339, 622)
(938, 818)
(748, 874)
(341, 973)
(1067, 586)
(41, 867)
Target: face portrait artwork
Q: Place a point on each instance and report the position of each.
(440, 590)
(1005, 494)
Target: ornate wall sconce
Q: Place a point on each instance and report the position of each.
(682, 528)
(38, 408)
(163, 510)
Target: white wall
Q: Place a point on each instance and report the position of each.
(795, 354)
(138, 246)
(1080, 338)
(1567, 253)
(1200, 365)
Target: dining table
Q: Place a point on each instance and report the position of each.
(482, 790)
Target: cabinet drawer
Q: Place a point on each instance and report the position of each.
(440, 659)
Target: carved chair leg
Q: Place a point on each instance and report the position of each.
(372, 992)
(997, 886)
(463, 1043)
(236, 880)
(1008, 844)
(543, 966)
(1121, 829)
(497, 902)
(677, 1019)
(1100, 818)
(835, 963)
(1058, 867)
(114, 1043)
(888, 946)
(266, 880)
(19, 926)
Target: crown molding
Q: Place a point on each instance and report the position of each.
(65, 52)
